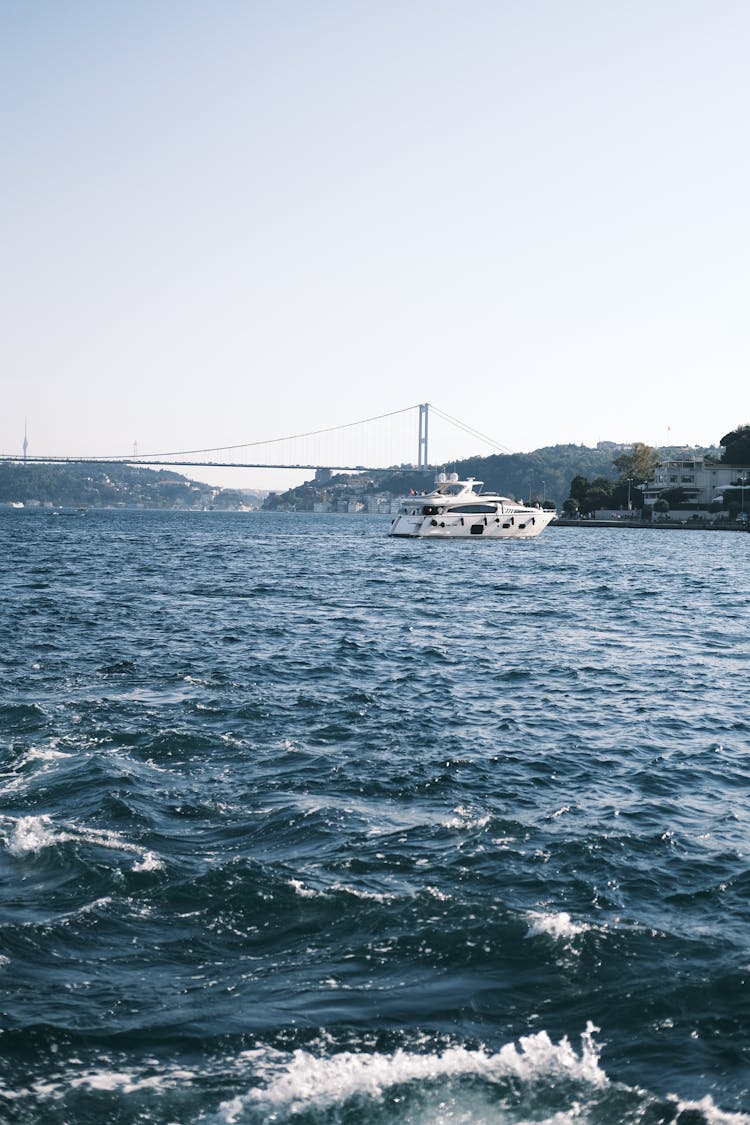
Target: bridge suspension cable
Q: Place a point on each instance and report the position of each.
(267, 441)
(469, 429)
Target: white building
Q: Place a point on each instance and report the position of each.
(702, 481)
(380, 504)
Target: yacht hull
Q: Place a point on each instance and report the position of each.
(524, 525)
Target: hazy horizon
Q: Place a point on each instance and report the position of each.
(228, 223)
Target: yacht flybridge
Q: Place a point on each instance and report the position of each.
(457, 509)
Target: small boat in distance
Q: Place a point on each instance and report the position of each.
(458, 509)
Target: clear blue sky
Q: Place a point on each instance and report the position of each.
(227, 221)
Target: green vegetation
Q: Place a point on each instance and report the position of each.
(737, 446)
(633, 467)
(637, 465)
(542, 476)
(342, 488)
(110, 486)
(575, 478)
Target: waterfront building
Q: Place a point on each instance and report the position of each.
(702, 482)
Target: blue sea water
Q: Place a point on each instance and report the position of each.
(303, 824)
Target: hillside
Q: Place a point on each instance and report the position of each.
(114, 486)
(544, 474)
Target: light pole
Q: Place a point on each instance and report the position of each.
(630, 506)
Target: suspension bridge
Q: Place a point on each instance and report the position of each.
(336, 448)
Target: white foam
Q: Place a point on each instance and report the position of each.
(127, 1083)
(305, 1082)
(441, 896)
(373, 896)
(31, 834)
(149, 862)
(562, 810)
(559, 926)
(370, 896)
(464, 818)
(303, 891)
(97, 904)
(46, 755)
(17, 776)
(712, 1114)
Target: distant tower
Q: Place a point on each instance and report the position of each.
(424, 418)
(25, 438)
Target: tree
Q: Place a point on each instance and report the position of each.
(638, 465)
(571, 506)
(737, 446)
(579, 486)
(598, 494)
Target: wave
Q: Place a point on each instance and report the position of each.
(29, 835)
(229, 824)
(533, 1079)
(424, 1081)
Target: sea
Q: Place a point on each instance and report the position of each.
(303, 824)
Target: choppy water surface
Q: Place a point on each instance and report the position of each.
(303, 824)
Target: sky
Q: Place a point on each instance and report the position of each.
(229, 221)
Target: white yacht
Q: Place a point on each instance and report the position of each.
(457, 509)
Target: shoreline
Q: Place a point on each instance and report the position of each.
(654, 525)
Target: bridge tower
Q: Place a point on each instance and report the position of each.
(424, 419)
